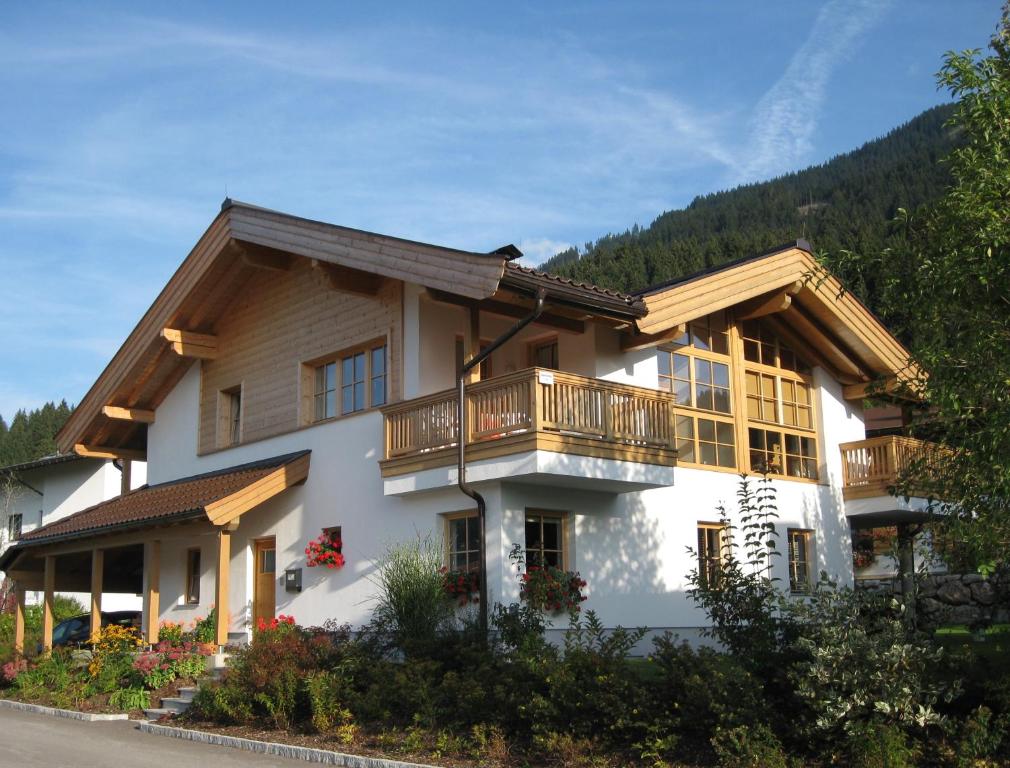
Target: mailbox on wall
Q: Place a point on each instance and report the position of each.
(293, 580)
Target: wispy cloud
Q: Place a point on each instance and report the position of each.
(536, 250)
(787, 115)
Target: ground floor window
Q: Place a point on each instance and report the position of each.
(463, 542)
(800, 560)
(545, 539)
(711, 538)
(193, 576)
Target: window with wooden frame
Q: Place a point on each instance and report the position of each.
(800, 560)
(229, 417)
(544, 353)
(462, 538)
(711, 540)
(781, 429)
(350, 381)
(14, 523)
(485, 366)
(696, 369)
(545, 539)
(192, 576)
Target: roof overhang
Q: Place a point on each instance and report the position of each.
(790, 288)
(112, 418)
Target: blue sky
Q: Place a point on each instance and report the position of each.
(540, 124)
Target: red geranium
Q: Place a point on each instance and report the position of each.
(325, 550)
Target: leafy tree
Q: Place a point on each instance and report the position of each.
(946, 283)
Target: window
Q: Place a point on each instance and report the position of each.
(354, 380)
(229, 417)
(800, 560)
(463, 542)
(485, 366)
(544, 354)
(711, 538)
(545, 539)
(14, 526)
(779, 392)
(697, 371)
(193, 576)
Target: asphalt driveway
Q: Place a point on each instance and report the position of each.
(39, 741)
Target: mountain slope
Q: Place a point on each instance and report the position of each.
(846, 203)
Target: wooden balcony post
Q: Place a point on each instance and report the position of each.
(19, 619)
(222, 617)
(471, 343)
(152, 590)
(97, 567)
(49, 587)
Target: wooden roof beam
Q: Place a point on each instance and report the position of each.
(816, 337)
(348, 279)
(806, 349)
(769, 303)
(228, 510)
(139, 415)
(190, 343)
(890, 385)
(109, 452)
(631, 342)
(496, 307)
(263, 257)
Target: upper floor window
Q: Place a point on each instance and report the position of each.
(697, 371)
(14, 526)
(544, 354)
(353, 381)
(780, 406)
(229, 417)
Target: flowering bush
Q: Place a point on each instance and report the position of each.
(462, 586)
(170, 660)
(111, 646)
(325, 550)
(171, 631)
(547, 588)
(205, 629)
(14, 668)
(281, 625)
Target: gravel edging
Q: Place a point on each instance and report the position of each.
(307, 754)
(69, 714)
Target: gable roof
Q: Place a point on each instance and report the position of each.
(818, 307)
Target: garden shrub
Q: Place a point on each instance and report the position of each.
(112, 657)
(879, 745)
(130, 698)
(980, 737)
(745, 746)
(328, 692)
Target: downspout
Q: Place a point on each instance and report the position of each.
(461, 432)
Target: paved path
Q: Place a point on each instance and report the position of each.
(37, 741)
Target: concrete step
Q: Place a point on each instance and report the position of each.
(187, 694)
(175, 705)
(156, 713)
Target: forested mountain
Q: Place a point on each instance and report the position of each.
(846, 203)
(31, 434)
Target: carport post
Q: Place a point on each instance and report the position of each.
(221, 586)
(49, 585)
(152, 590)
(19, 619)
(97, 565)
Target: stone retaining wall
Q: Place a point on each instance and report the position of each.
(966, 598)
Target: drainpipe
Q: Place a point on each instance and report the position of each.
(461, 432)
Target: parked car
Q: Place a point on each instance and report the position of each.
(76, 631)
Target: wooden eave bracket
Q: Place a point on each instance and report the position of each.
(769, 303)
(348, 279)
(109, 452)
(138, 415)
(635, 341)
(191, 344)
(229, 509)
(891, 385)
(263, 257)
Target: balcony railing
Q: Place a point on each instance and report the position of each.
(870, 467)
(538, 403)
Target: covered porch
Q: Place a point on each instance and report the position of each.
(117, 546)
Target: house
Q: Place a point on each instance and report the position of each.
(36, 493)
(295, 378)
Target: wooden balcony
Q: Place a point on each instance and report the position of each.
(532, 410)
(870, 467)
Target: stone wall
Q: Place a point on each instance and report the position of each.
(954, 598)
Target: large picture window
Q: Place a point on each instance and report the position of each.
(780, 411)
(696, 369)
(351, 381)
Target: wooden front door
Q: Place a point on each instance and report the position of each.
(264, 596)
